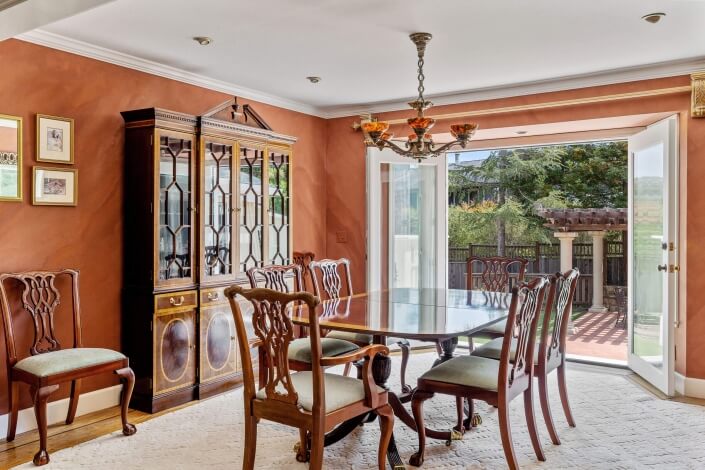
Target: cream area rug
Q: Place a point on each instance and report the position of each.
(620, 426)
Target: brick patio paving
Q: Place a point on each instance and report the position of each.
(596, 336)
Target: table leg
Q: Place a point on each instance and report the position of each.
(448, 347)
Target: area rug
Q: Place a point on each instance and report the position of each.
(620, 426)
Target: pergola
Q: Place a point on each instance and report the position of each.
(568, 222)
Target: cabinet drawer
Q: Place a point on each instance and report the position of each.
(176, 300)
(213, 297)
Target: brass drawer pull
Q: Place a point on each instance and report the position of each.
(176, 303)
(213, 296)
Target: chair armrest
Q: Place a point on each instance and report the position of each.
(368, 352)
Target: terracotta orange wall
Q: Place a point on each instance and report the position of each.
(347, 194)
(89, 237)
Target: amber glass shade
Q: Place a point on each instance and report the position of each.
(463, 130)
(375, 126)
(421, 122)
(386, 136)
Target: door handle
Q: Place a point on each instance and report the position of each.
(663, 267)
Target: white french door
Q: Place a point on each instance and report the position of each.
(652, 255)
(406, 221)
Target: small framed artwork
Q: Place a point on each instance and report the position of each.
(54, 139)
(54, 187)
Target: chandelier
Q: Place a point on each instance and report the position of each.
(419, 145)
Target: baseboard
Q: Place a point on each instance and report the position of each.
(689, 386)
(56, 410)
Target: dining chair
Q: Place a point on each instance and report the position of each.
(312, 401)
(330, 277)
(302, 259)
(489, 380)
(620, 298)
(287, 279)
(551, 349)
(495, 276)
(48, 365)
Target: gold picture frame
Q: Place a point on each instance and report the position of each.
(52, 186)
(10, 158)
(53, 132)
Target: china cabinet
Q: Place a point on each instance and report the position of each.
(206, 198)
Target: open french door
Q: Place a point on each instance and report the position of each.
(407, 219)
(652, 254)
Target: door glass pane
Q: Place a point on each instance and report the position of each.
(648, 281)
(174, 208)
(411, 200)
(279, 208)
(217, 211)
(251, 208)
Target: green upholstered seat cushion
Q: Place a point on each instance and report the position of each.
(495, 329)
(361, 338)
(65, 360)
(340, 391)
(300, 349)
(493, 350)
(469, 371)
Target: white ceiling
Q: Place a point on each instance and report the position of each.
(362, 51)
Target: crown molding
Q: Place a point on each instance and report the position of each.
(63, 43)
(610, 77)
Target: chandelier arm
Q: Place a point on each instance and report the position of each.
(396, 148)
(446, 146)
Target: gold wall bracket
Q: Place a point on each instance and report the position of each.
(697, 95)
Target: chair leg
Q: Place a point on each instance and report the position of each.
(13, 392)
(73, 402)
(316, 462)
(439, 349)
(531, 422)
(302, 451)
(127, 377)
(563, 391)
(505, 433)
(386, 424)
(248, 461)
(471, 344)
(460, 408)
(546, 409)
(417, 408)
(346, 372)
(405, 351)
(40, 396)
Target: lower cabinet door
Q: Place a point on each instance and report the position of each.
(218, 343)
(175, 354)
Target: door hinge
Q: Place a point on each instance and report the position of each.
(674, 268)
(151, 140)
(150, 383)
(151, 275)
(151, 326)
(151, 208)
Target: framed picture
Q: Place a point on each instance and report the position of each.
(10, 158)
(54, 139)
(54, 187)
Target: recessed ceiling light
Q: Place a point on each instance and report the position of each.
(521, 132)
(313, 79)
(203, 40)
(653, 17)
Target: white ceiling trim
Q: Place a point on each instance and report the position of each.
(63, 43)
(630, 74)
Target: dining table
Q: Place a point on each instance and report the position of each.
(438, 316)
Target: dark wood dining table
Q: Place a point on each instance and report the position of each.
(434, 315)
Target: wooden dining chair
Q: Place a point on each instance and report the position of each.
(551, 348)
(288, 279)
(303, 259)
(312, 401)
(48, 365)
(332, 280)
(495, 276)
(489, 380)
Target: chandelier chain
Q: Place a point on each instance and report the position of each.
(421, 76)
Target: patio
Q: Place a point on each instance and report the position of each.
(595, 336)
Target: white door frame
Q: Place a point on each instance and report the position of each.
(666, 132)
(375, 158)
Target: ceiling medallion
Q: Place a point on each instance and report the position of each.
(419, 145)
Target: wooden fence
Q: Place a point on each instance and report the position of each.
(545, 259)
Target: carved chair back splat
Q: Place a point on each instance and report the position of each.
(495, 272)
(275, 277)
(329, 271)
(303, 259)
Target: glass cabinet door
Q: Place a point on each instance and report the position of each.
(174, 214)
(217, 209)
(251, 210)
(278, 168)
